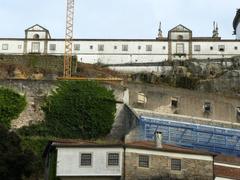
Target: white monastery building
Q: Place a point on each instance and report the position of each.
(178, 45)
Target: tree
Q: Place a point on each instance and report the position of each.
(80, 109)
(11, 105)
(14, 162)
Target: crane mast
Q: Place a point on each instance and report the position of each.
(68, 39)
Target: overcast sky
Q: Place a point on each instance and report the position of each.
(118, 18)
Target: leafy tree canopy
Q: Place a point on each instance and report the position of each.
(14, 162)
(80, 109)
(11, 105)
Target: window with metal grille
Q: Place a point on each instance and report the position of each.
(221, 48)
(76, 47)
(113, 159)
(143, 161)
(197, 48)
(207, 107)
(124, 47)
(52, 47)
(86, 159)
(5, 47)
(100, 47)
(148, 47)
(176, 164)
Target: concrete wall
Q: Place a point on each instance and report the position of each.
(190, 103)
(193, 166)
(68, 162)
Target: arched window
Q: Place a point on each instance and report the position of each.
(180, 37)
(36, 36)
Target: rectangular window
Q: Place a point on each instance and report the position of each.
(76, 47)
(124, 47)
(174, 102)
(197, 48)
(115, 47)
(164, 47)
(139, 47)
(113, 159)
(221, 48)
(238, 113)
(211, 48)
(143, 161)
(176, 164)
(52, 47)
(207, 107)
(148, 47)
(180, 48)
(100, 47)
(91, 47)
(86, 159)
(236, 48)
(5, 47)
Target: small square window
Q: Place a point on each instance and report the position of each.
(115, 47)
(86, 159)
(174, 102)
(100, 47)
(124, 47)
(76, 47)
(197, 48)
(207, 107)
(221, 48)
(238, 113)
(148, 47)
(164, 47)
(211, 48)
(52, 47)
(19, 46)
(91, 47)
(113, 159)
(236, 48)
(176, 164)
(139, 47)
(141, 98)
(5, 47)
(143, 161)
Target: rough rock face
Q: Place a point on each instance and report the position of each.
(219, 75)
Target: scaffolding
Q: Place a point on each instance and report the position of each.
(196, 136)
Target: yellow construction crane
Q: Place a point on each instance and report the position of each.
(67, 72)
(68, 40)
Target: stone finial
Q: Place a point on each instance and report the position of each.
(160, 35)
(215, 30)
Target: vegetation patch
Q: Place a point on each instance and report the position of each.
(11, 105)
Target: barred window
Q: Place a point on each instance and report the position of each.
(143, 161)
(148, 47)
(124, 47)
(113, 159)
(86, 159)
(100, 47)
(221, 48)
(52, 47)
(76, 47)
(197, 48)
(176, 164)
(5, 47)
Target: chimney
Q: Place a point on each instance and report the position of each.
(158, 139)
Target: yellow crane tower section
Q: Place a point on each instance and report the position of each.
(68, 39)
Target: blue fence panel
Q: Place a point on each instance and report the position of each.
(211, 138)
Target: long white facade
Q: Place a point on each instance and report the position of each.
(179, 45)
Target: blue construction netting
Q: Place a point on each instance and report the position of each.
(196, 136)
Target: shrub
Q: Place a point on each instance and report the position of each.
(80, 109)
(11, 105)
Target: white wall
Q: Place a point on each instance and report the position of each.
(68, 162)
(238, 31)
(14, 47)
